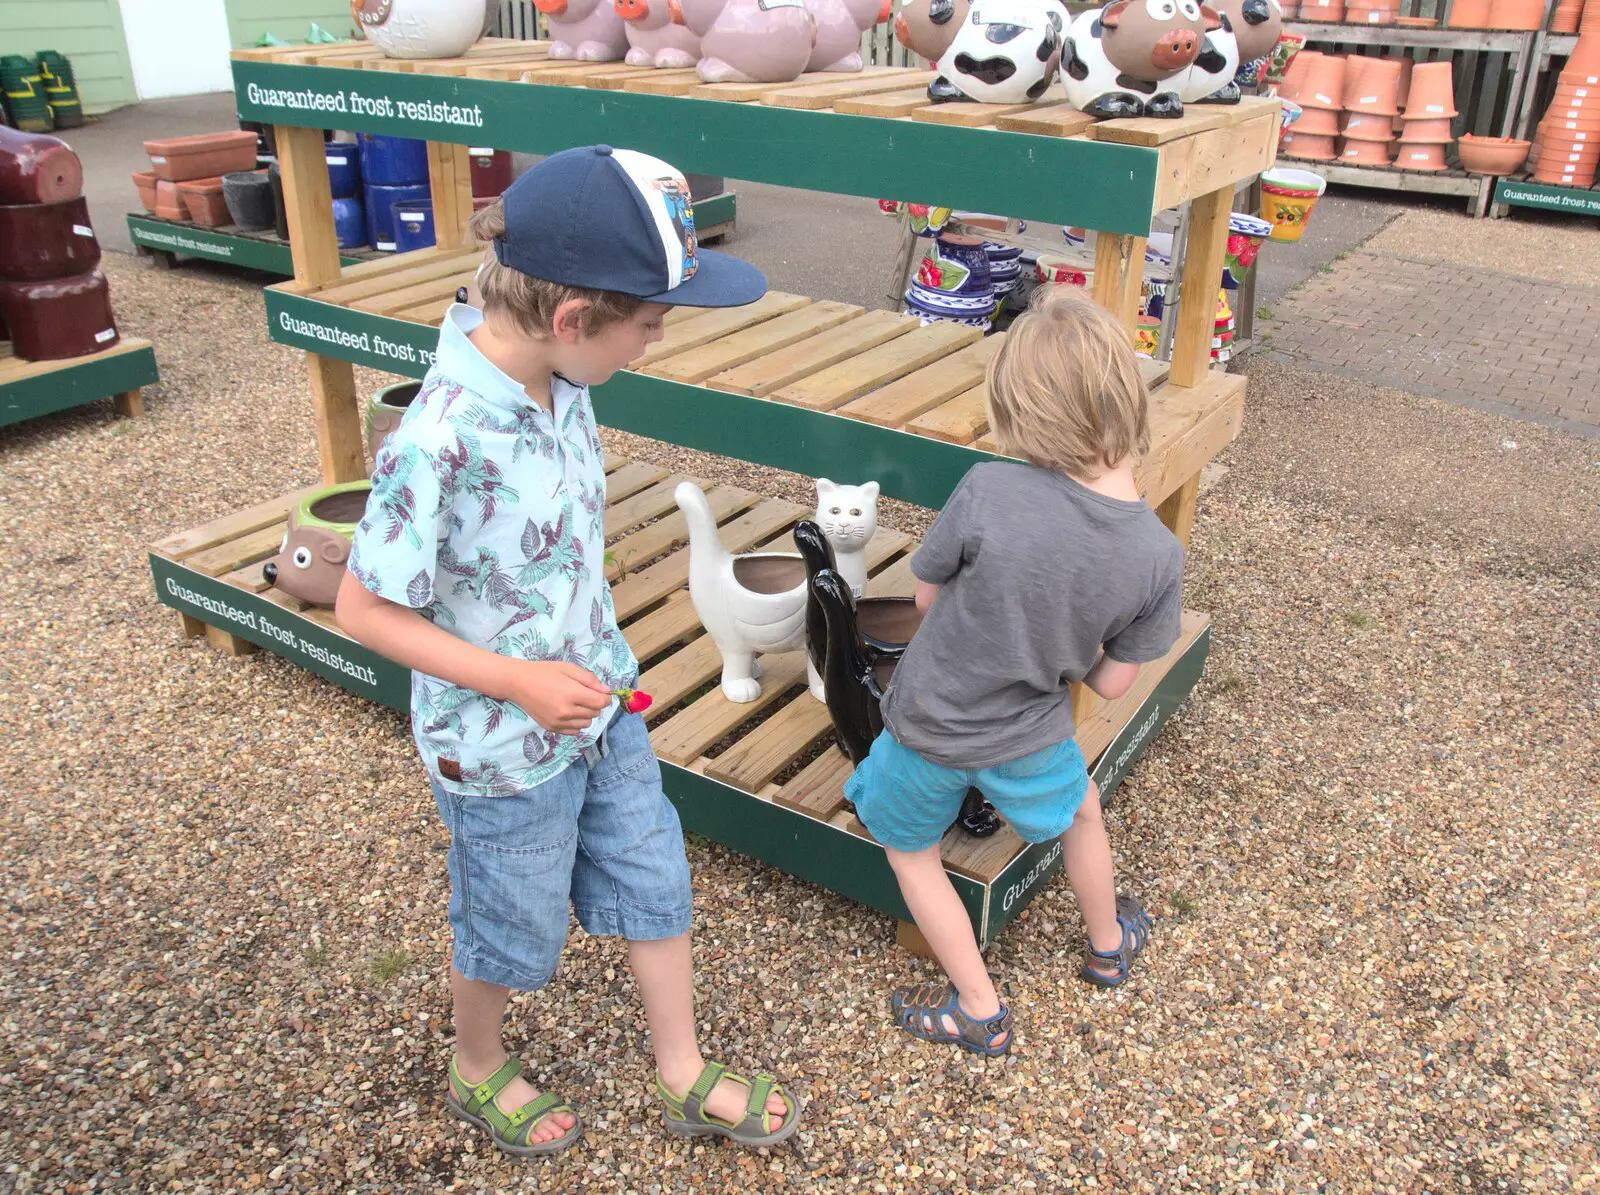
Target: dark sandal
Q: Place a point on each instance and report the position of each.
(686, 1115)
(1135, 923)
(922, 1005)
(474, 1103)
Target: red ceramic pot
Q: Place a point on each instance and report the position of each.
(491, 171)
(46, 240)
(66, 317)
(36, 168)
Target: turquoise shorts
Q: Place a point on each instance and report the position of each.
(909, 802)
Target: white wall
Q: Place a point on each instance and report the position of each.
(177, 47)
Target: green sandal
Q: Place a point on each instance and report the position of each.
(474, 1103)
(687, 1117)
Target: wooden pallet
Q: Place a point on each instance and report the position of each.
(778, 749)
(29, 388)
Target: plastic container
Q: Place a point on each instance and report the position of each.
(350, 222)
(37, 168)
(179, 159)
(248, 194)
(46, 240)
(64, 317)
(413, 224)
(204, 201)
(381, 199)
(344, 168)
(392, 161)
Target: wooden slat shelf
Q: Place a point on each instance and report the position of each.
(784, 753)
(32, 388)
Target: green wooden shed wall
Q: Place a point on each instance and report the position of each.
(89, 32)
(289, 19)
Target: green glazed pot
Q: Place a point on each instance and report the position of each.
(385, 409)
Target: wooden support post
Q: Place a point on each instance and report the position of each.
(1083, 699)
(904, 255)
(1118, 276)
(189, 626)
(908, 937)
(130, 402)
(1203, 254)
(1177, 511)
(315, 250)
(229, 644)
(450, 180)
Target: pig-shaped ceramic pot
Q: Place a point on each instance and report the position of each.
(654, 39)
(749, 41)
(311, 560)
(840, 24)
(420, 28)
(585, 30)
(1005, 52)
(1126, 58)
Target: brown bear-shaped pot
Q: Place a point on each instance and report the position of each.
(311, 560)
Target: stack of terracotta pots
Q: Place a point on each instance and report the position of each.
(1372, 99)
(184, 181)
(1425, 127)
(1322, 10)
(54, 301)
(1371, 12)
(1566, 16)
(1316, 82)
(1568, 142)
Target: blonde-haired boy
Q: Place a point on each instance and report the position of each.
(1047, 570)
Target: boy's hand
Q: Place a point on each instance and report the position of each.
(560, 697)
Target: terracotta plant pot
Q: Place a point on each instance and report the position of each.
(1585, 57)
(1375, 88)
(169, 204)
(1469, 14)
(1317, 122)
(1426, 132)
(203, 200)
(1565, 18)
(1403, 91)
(1417, 22)
(1332, 11)
(1432, 91)
(144, 182)
(1582, 177)
(65, 317)
(1491, 155)
(1312, 148)
(248, 197)
(1420, 157)
(46, 240)
(1369, 16)
(209, 155)
(1324, 85)
(1516, 14)
(1360, 127)
(1367, 153)
(1296, 73)
(37, 168)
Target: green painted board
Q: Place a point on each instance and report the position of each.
(1054, 180)
(289, 19)
(816, 443)
(73, 386)
(716, 210)
(88, 32)
(215, 244)
(1515, 193)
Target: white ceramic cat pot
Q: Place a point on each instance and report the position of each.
(420, 28)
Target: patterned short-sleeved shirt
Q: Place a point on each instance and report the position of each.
(487, 516)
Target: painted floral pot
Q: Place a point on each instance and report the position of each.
(956, 266)
(310, 563)
(385, 410)
(928, 221)
(37, 168)
(1288, 210)
(1246, 235)
(46, 240)
(420, 28)
(1281, 55)
(59, 318)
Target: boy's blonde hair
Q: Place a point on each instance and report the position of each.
(530, 303)
(1065, 391)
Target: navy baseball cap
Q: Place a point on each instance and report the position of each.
(618, 220)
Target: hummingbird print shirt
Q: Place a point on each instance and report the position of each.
(487, 516)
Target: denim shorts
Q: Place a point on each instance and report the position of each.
(600, 836)
(908, 802)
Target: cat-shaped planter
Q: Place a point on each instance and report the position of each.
(756, 602)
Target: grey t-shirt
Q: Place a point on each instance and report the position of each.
(1038, 572)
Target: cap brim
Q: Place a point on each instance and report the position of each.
(718, 281)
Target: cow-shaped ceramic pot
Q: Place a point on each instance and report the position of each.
(749, 41)
(1210, 79)
(1257, 25)
(928, 27)
(584, 30)
(1125, 59)
(311, 560)
(1005, 52)
(420, 28)
(654, 38)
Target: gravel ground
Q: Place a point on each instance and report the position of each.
(1368, 839)
(1533, 244)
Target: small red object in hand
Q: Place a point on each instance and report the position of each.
(635, 701)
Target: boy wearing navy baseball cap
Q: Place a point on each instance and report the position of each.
(480, 565)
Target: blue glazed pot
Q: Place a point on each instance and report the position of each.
(350, 223)
(344, 169)
(393, 160)
(380, 210)
(413, 224)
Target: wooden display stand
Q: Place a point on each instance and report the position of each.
(29, 389)
(814, 386)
